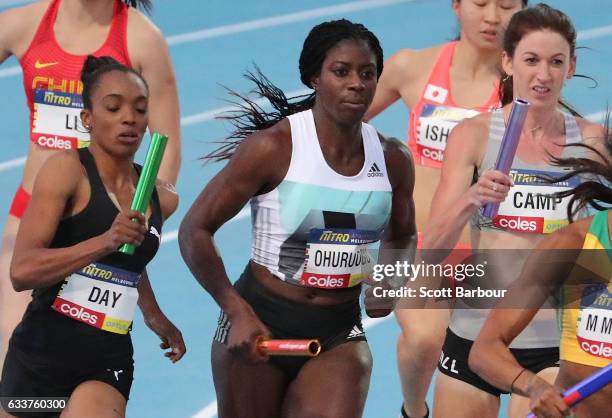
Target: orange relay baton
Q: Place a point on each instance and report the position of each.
(306, 348)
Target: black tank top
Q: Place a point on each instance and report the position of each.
(49, 336)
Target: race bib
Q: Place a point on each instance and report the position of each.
(594, 331)
(530, 205)
(337, 258)
(57, 121)
(435, 124)
(99, 295)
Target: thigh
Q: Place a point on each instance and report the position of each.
(95, 399)
(454, 398)
(254, 391)
(518, 407)
(425, 325)
(334, 384)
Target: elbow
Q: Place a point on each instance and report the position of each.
(185, 236)
(477, 358)
(19, 278)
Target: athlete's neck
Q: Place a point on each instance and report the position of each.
(475, 63)
(544, 124)
(114, 172)
(82, 13)
(338, 141)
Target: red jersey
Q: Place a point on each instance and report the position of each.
(52, 80)
(435, 114)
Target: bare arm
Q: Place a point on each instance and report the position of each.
(149, 52)
(456, 199)
(400, 237)
(155, 319)
(395, 74)
(17, 28)
(259, 164)
(254, 166)
(401, 233)
(545, 271)
(34, 264)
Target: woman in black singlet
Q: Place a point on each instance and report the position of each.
(74, 338)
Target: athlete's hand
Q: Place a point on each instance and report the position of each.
(245, 331)
(546, 401)
(169, 334)
(125, 231)
(377, 302)
(492, 187)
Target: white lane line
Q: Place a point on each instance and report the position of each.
(173, 235)
(7, 165)
(185, 121)
(211, 114)
(280, 20)
(256, 24)
(210, 410)
(595, 33)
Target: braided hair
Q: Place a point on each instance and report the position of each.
(250, 117)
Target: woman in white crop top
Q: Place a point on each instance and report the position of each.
(322, 186)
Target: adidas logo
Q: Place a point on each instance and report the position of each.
(375, 171)
(355, 332)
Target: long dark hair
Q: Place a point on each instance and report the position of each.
(531, 19)
(596, 190)
(250, 117)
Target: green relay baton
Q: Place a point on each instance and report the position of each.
(146, 182)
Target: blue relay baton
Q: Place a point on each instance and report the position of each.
(585, 388)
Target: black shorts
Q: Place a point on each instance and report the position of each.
(454, 361)
(286, 319)
(23, 376)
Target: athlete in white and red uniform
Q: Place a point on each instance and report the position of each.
(441, 85)
(51, 40)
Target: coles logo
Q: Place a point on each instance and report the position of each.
(433, 154)
(324, 281)
(54, 142)
(520, 223)
(595, 348)
(77, 312)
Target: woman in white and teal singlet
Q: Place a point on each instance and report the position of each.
(323, 187)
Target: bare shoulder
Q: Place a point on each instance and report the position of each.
(591, 132)
(18, 26)
(594, 135)
(398, 159)
(473, 129)
(141, 26)
(144, 38)
(273, 142)
(413, 62)
(67, 160)
(62, 169)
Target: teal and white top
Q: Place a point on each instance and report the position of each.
(315, 227)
